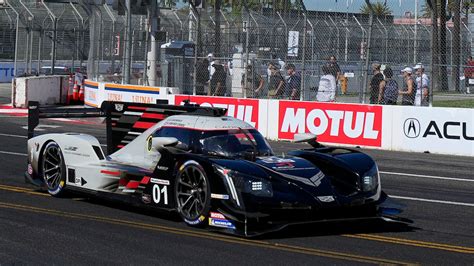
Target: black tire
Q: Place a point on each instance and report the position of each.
(193, 193)
(53, 169)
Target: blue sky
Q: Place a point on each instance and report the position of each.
(398, 7)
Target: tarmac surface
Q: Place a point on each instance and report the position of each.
(39, 229)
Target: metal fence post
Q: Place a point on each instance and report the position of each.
(367, 59)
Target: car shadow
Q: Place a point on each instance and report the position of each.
(317, 229)
(340, 228)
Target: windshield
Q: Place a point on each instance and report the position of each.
(234, 143)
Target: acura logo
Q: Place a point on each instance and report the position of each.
(412, 128)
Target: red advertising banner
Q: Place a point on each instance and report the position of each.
(243, 109)
(337, 123)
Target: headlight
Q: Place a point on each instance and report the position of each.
(245, 183)
(370, 179)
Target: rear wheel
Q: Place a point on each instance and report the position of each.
(193, 193)
(53, 169)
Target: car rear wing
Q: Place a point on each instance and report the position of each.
(124, 121)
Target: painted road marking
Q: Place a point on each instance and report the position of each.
(205, 235)
(13, 153)
(434, 201)
(428, 176)
(13, 136)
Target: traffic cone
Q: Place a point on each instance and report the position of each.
(70, 89)
(81, 94)
(75, 92)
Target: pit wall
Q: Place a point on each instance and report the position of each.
(398, 128)
(97, 92)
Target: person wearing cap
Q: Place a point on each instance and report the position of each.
(254, 82)
(376, 83)
(218, 80)
(422, 86)
(293, 83)
(409, 87)
(210, 59)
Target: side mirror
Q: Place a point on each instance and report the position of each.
(158, 142)
(309, 138)
(304, 137)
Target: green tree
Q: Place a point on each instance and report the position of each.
(380, 9)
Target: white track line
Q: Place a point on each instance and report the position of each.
(428, 176)
(13, 153)
(434, 201)
(13, 136)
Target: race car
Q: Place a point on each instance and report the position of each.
(215, 171)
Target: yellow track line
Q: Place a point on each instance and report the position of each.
(249, 242)
(23, 190)
(415, 243)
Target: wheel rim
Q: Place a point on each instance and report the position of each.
(52, 166)
(192, 192)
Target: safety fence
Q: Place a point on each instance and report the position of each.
(45, 33)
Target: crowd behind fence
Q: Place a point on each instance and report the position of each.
(62, 33)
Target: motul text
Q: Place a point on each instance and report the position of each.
(243, 109)
(336, 123)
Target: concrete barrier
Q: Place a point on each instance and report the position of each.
(47, 90)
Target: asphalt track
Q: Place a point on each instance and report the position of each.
(38, 229)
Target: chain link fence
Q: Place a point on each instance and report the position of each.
(251, 54)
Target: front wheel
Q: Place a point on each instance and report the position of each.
(53, 169)
(193, 193)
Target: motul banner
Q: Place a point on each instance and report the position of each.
(352, 124)
(243, 109)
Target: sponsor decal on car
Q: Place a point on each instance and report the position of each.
(162, 168)
(160, 181)
(149, 143)
(317, 178)
(243, 109)
(217, 215)
(338, 123)
(146, 198)
(221, 223)
(326, 198)
(197, 221)
(219, 196)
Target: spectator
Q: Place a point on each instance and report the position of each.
(327, 86)
(276, 83)
(269, 72)
(293, 83)
(469, 72)
(375, 83)
(334, 68)
(210, 59)
(254, 83)
(218, 80)
(389, 92)
(422, 86)
(202, 77)
(409, 87)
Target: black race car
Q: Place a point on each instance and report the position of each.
(213, 170)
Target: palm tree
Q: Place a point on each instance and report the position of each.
(380, 9)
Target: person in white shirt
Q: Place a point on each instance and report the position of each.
(422, 86)
(327, 87)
